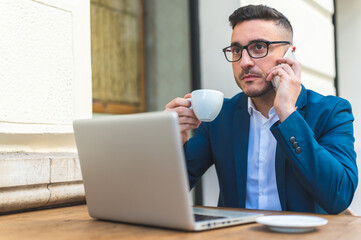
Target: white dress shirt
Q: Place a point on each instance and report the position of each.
(261, 175)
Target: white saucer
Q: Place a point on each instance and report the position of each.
(291, 223)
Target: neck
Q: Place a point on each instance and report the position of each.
(264, 103)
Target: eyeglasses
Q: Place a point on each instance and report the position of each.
(256, 49)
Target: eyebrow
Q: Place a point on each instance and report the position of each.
(237, 44)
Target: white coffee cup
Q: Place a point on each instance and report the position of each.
(206, 104)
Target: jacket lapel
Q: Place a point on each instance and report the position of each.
(240, 148)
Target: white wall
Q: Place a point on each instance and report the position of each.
(45, 84)
(215, 34)
(45, 73)
(349, 74)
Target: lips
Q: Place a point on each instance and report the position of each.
(249, 77)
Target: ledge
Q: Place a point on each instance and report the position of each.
(33, 128)
(36, 180)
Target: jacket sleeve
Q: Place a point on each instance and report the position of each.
(322, 157)
(198, 154)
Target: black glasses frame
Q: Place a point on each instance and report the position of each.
(246, 47)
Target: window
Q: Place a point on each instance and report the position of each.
(117, 56)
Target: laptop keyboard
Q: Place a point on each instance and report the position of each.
(200, 217)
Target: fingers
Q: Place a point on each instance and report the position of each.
(178, 102)
(182, 112)
(186, 117)
(282, 71)
(192, 121)
(181, 106)
(186, 127)
(185, 124)
(289, 61)
(295, 65)
(188, 95)
(287, 68)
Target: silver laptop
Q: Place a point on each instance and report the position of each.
(134, 171)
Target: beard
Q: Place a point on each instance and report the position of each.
(254, 92)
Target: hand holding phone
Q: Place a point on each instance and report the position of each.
(289, 54)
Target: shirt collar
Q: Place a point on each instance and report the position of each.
(252, 108)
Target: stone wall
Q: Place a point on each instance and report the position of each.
(33, 180)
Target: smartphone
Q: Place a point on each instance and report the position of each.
(290, 54)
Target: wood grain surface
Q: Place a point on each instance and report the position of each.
(75, 223)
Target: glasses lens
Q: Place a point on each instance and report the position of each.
(258, 49)
(233, 54)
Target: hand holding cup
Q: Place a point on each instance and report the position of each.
(206, 104)
(200, 105)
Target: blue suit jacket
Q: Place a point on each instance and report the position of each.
(320, 178)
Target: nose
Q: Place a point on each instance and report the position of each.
(246, 61)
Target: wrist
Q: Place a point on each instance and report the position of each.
(284, 113)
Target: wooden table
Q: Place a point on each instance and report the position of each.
(75, 223)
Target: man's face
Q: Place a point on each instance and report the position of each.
(250, 73)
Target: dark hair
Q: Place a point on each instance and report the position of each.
(251, 12)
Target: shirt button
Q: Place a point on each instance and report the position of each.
(292, 139)
(298, 150)
(295, 145)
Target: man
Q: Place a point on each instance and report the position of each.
(288, 149)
